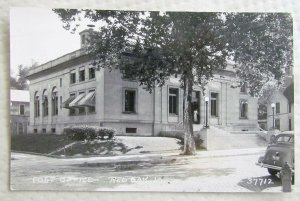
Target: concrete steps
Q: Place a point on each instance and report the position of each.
(218, 139)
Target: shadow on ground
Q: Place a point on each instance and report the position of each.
(164, 168)
(105, 147)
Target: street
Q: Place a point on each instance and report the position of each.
(232, 173)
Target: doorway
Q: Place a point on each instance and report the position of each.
(196, 107)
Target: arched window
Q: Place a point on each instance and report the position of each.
(36, 105)
(54, 102)
(45, 103)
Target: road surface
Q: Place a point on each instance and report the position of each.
(180, 174)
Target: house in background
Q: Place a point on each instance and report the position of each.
(283, 100)
(69, 91)
(19, 111)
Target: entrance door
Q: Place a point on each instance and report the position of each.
(196, 107)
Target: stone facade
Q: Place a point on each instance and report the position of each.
(105, 99)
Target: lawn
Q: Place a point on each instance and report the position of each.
(38, 143)
(120, 145)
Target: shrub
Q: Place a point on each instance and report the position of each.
(198, 140)
(81, 133)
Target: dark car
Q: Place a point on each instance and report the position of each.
(280, 151)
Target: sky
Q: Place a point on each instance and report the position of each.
(37, 35)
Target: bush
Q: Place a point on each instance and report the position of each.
(198, 140)
(81, 133)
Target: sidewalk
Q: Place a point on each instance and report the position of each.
(127, 159)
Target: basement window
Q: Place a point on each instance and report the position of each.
(53, 130)
(131, 130)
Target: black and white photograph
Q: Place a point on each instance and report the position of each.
(157, 101)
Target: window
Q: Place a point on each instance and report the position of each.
(83, 39)
(290, 124)
(60, 82)
(45, 104)
(81, 75)
(36, 105)
(53, 130)
(129, 105)
(72, 110)
(22, 110)
(81, 110)
(289, 107)
(214, 104)
(60, 102)
(73, 78)
(92, 73)
(244, 87)
(243, 109)
(277, 124)
(277, 108)
(92, 109)
(131, 130)
(35, 130)
(173, 101)
(21, 129)
(54, 102)
(44, 130)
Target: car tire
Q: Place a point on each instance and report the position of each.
(272, 171)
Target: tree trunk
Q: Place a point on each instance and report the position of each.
(189, 142)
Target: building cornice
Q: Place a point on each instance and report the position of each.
(75, 57)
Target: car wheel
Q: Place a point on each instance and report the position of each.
(272, 171)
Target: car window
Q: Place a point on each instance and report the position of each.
(281, 139)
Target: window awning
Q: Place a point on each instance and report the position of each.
(88, 100)
(66, 104)
(74, 103)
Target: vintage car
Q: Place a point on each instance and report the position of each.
(279, 151)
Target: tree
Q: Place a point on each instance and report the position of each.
(20, 82)
(261, 46)
(152, 46)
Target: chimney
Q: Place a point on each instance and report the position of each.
(85, 36)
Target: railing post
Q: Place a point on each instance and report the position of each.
(286, 178)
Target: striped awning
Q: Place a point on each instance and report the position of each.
(88, 100)
(66, 104)
(74, 103)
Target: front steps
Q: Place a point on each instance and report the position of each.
(218, 139)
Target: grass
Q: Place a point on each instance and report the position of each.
(38, 143)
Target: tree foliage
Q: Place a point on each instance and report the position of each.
(20, 82)
(261, 46)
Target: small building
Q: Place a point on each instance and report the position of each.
(19, 111)
(283, 101)
(69, 91)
